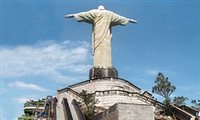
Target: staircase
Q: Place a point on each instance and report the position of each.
(184, 113)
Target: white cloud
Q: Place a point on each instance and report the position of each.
(48, 58)
(21, 100)
(152, 72)
(155, 72)
(29, 86)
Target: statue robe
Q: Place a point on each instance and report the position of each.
(102, 22)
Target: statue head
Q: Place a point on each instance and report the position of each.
(101, 7)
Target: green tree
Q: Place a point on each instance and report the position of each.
(179, 100)
(88, 105)
(196, 104)
(25, 117)
(164, 88)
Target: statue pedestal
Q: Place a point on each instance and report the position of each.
(97, 72)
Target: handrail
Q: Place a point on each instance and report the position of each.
(151, 100)
(189, 109)
(66, 109)
(127, 93)
(181, 114)
(104, 78)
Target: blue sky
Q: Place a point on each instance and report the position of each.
(42, 52)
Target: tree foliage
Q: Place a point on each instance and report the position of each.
(164, 88)
(25, 117)
(196, 104)
(88, 104)
(179, 100)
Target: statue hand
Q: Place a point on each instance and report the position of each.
(69, 16)
(132, 21)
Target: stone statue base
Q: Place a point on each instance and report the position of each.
(98, 72)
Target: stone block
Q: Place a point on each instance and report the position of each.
(125, 111)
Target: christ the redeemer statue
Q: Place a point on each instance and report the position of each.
(102, 21)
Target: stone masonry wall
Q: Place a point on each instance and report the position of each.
(123, 111)
(105, 84)
(135, 112)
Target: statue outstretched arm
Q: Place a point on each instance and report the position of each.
(120, 20)
(132, 21)
(87, 16)
(69, 16)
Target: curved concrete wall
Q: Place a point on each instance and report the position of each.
(105, 84)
